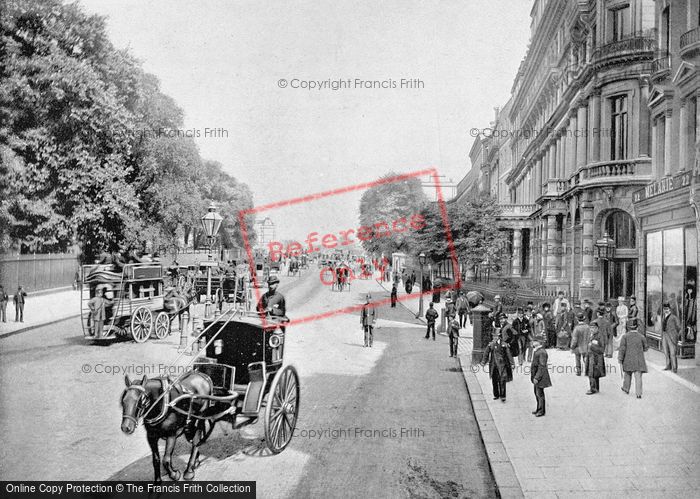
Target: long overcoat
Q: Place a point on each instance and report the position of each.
(499, 358)
(595, 363)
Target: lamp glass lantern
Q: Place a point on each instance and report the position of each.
(211, 222)
(605, 247)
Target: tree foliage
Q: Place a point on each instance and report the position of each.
(84, 157)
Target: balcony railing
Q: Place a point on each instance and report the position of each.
(517, 210)
(661, 65)
(637, 44)
(690, 41)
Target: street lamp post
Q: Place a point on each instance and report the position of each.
(421, 260)
(211, 222)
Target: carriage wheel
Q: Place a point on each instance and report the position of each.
(282, 409)
(162, 325)
(141, 324)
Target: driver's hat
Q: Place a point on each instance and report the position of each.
(273, 279)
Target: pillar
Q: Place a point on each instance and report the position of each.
(588, 269)
(581, 131)
(683, 135)
(571, 164)
(543, 249)
(561, 157)
(553, 249)
(654, 150)
(481, 332)
(517, 252)
(594, 128)
(538, 178)
(552, 160)
(668, 143)
(644, 118)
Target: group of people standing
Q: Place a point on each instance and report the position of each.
(19, 299)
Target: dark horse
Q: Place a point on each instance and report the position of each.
(162, 421)
(177, 302)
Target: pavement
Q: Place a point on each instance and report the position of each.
(41, 310)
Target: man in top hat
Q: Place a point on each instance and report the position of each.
(670, 332)
(579, 342)
(631, 358)
(611, 316)
(539, 375)
(498, 355)
(521, 325)
(509, 335)
(577, 309)
(550, 326)
(587, 311)
(272, 302)
(368, 317)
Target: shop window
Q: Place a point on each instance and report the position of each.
(618, 125)
(653, 281)
(620, 226)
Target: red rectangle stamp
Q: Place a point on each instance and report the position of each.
(316, 241)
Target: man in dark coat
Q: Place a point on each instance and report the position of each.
(633, 311)
(368, 317)
(500, 360)
(4, 298)
(539, 375)
(564, 326)
(462, 309)
(580, 338)
(631, 358)
(595, 364)
(453, 328)
(431, 316)
(605, 330)
(550, 325)
(521, 325)
(670, 332)
(509, 335)
(611, 316)
(394, 293)
(19, 299)
(587, 311)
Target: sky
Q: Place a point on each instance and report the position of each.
(233, 65)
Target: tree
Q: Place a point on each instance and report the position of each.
(388, 201)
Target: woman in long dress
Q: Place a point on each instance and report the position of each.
(622, 312)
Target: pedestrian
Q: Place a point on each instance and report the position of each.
(454, 337)
(509, 335)
(633, 313)
(539, 375)
(532, 320)
(462, 309)
(521, 325)
(588, 311)
(614, 322)
(4, 298)
(431, 316)
(670, 332)
(497, 354)
(368, 317)
(557, 303)
(98, 312)
(621, 312)
(394, 292)
(550, 325)
(564, 326)
(450, 309)
(497, 310)
(595, 363)
(606, 333)
(408, 284)
(631, 358)
(413, 278)
(580, 338)
(19, 300)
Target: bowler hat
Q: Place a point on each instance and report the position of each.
(273, 279)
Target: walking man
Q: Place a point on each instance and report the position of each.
(595, 363)
(368, 317)
(549, 325)
(394, 292)
(500, 360)
(670, 332)
(431, 316)
(98, 311)
(579, 342)
(462, 309)
(19, 299)
(606, 332)
(631, 358)
(521, 325)
(564, 325)
(539, 375)
(454, 337)
(614, 322)
(3, 304)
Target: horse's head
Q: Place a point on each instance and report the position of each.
(135, 401)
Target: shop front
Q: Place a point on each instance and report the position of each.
(671, 258)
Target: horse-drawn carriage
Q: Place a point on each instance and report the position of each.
(234, 288)
(239, 374)
(134, 301)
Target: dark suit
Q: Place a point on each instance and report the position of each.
(670, 332)
(368, 316)
(431, 316)
(539, 375)
(500, 360)
(19, 305)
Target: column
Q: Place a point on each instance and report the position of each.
(644, 118)
(561, 157)
(594, 129)
(589, 268)
(582, 129)
(538, 178)
(517, 250)
(543, 248)
(571, 163)
(531, 255)
(553, 248)
(683, 133)
(668, 142)
(553, 161)
(654, 150)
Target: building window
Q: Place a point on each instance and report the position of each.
(671, 277)
(618, 132)
(619, 23)
(666, 30)
(620, 226)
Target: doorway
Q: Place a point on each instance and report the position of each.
(618, 278)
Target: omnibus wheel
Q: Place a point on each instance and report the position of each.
(141, 324)
(162, 325)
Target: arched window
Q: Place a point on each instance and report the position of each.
(620, 226)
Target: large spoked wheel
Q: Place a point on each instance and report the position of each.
(282, 409)
(162, 325)
(141, 324)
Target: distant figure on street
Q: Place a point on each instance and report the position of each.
(521, 326)
(450, 309)
(408, 284)
(564, 326)
(431, 316)
(539, 375)
(621, 312)
(19, 299)
(605, 329)
(550, 326)
(580, 338)
(368, 317)
(394, 293)
(462, 309)
(500, 361)
(454, 337)
(670, 332)
(633, 313)
(588, 311)
(531, 334)
(509, 335)
(614, 322)
(577, 309)
(595, 363)
(4, 298)
(76, 279)
(98, 312)
(557, 303)
(413, 278)
(631, 358)
(497, 310)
